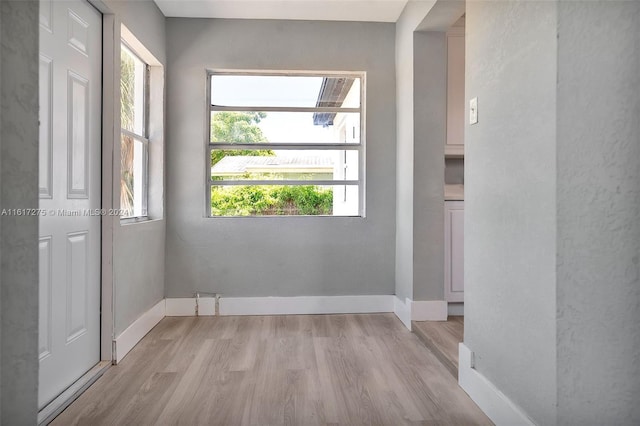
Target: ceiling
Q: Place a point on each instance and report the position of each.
(319, 10)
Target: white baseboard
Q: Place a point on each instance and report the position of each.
(494, 403)
(306, 305)
(429, 310)
(136, 331)
(403, 311)
(181, 307)
(186, 306)
(302, 305)
(206, 306)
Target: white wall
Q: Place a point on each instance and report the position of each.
(510, 200)
(19, 234)
(598, 272)
(139, 249)
(277, 256)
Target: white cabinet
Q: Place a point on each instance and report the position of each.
(455, 93)
(454, 251)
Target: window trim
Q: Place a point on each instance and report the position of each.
(358, 147)
(144, 138)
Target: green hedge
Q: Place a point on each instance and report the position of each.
(252, 200)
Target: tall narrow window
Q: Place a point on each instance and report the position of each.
(285, 144)
(134, 81)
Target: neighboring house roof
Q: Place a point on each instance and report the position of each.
(234, 165)
(332, 94)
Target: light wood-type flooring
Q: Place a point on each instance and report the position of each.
(442, 338)
(275, 370)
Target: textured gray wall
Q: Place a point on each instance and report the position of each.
(277, 256)
(19, 234)
(1, 287)
(598, 290)
(429, 123)
(552, 239)
(510, 200)
(139, 249)
(138, 270)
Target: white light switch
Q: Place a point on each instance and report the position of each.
(473, 111)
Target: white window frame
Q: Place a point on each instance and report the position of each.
(359, 147)
(144, 138)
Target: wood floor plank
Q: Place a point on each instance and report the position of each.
(187, 388)
(277, 370)
(149, 401)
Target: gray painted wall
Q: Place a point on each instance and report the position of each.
(277, 256)
(454, 171)
(412, 15)
(138, 270)
(139, 249)
(598, 290)
(421, 93)
(510, 200)
(429, 121)
(1, 287)
(404, 159)
(145, 21)
(19, 234)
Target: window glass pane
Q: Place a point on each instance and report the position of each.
(132, 92)
(283, 200)
(133, 165)
(285, 91)
(284, 164)
(285, 127)
(279, 117)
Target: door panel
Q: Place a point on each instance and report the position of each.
(76, 285)
(46, 128)
(78, 136)
(44, 331)
(70, 147)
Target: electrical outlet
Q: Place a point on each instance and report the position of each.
(473, 111)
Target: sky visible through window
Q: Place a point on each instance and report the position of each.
(276, 91)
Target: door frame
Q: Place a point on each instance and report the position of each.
(110, 133)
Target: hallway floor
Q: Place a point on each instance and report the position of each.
(442, 338)
(259, 370)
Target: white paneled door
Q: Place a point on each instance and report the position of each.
(70, 145)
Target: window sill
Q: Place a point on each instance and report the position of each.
(138, 220)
